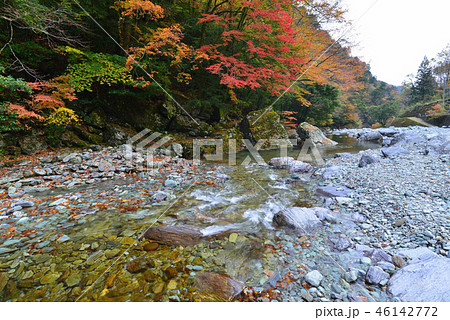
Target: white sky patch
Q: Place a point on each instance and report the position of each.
(395, 35)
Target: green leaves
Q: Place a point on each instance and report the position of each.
(89, 68)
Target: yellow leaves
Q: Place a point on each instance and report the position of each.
(62, 117)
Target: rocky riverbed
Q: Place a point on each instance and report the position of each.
(101, 225)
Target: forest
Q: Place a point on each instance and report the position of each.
(81, 72)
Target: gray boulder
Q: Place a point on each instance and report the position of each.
(375, 275)
(388, 132)
(300, 167)
(393, 151)
(281, 163)
(407, 138)
(422, 281)
(371, 136)
(366, 160)
(301, 220)
(439, 144)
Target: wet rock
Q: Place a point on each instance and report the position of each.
(281, 163)
(233, 237)
(393, 151)
(366, 160)
(332, 192)
(217, 286)
(171, 272)
(3, 281)
(301, 220)
(185, 235)
(422, 281)
(138, 265)
(300, 167)
(151, 246)
(73, 280)
(314, 278)
(50, 277)
(375, 275)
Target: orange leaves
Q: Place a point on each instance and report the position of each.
(140, 8)
(23, 113)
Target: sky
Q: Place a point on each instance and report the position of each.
(395, 35)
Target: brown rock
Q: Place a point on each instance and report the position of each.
(137, 265)
(109, 282)
(151, 246)
(175, 235)
(217, 286)
(171, 272)
(398, 261)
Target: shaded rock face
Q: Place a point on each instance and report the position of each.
(266, 124)
(217, 287)
(422, 281)
(175, 235)
(300, 220)
(32, 144)
(115, 136)
(307, 131)
(193, 127)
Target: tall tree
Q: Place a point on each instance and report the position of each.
(424, 86)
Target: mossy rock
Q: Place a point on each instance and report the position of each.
(70, 139)
(405, 122)
(87, 136)
(266, 124)
(236, 135)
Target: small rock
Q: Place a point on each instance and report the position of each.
(351, 276)
(400, 222)
(58, 202)
(172, 285)
(398, 261)
(171, 272)
(233, 237)
(151, 246)
(314, 278)
(50, 277)
(73, 280)
(137, 265)
(375, 275)
(171, 183)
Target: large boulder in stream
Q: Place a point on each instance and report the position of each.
(307, 131)
(185, 235)
(301, 220)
